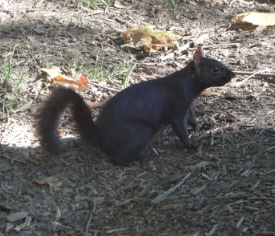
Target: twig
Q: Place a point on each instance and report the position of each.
(89, 221)
(251, 73)
(247, 3)
(234, 45)
(164, 195)
(261, 198)
(269, 233)
(114, 90)
(8, 157)
(34, 171)
(250, 77)
(268, 149)
(237, 202)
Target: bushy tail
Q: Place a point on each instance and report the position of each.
(48, 118)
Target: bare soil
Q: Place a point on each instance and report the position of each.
(231, 188)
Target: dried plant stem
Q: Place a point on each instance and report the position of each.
(164, 195)
(89, 221)
(255, 74)
(251, 77)
(101, 86)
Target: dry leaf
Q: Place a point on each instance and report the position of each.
(58, 79)
(251, 20)
(81, 85)
(119, 5)
(52, 181)
(153, 38)
(21, 226)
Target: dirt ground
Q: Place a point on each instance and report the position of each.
(231, 187)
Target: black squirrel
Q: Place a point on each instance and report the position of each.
(128, 121)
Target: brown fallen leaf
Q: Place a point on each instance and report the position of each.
(119, 5)
(80, 85)
(251, 20)
(153, 38)
(52, 181)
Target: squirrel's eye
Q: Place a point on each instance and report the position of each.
(215, 69)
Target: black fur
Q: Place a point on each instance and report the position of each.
(127, 122)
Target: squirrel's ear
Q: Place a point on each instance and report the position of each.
(199, 54)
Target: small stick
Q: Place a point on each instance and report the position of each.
(34, 171)
(8, 157)
(269, 233)
(89, 221)
(251, 73)
(249, 77)
(261, 198)
(237, 202)
(113, 90)
(234, 45)
(164, 195)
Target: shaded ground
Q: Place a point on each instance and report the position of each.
(231, 190)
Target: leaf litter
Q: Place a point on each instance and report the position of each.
(230, 190)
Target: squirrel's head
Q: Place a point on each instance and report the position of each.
(210, 72)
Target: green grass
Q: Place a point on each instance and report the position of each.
(118, 73)
(95, 3)
(110, 2)
(9, 76)
(91, 2)
(269, 3)
(99, 69)
(177, 3)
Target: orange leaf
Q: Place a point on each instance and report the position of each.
(58, 79)
(52, 181)
(153, 38)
